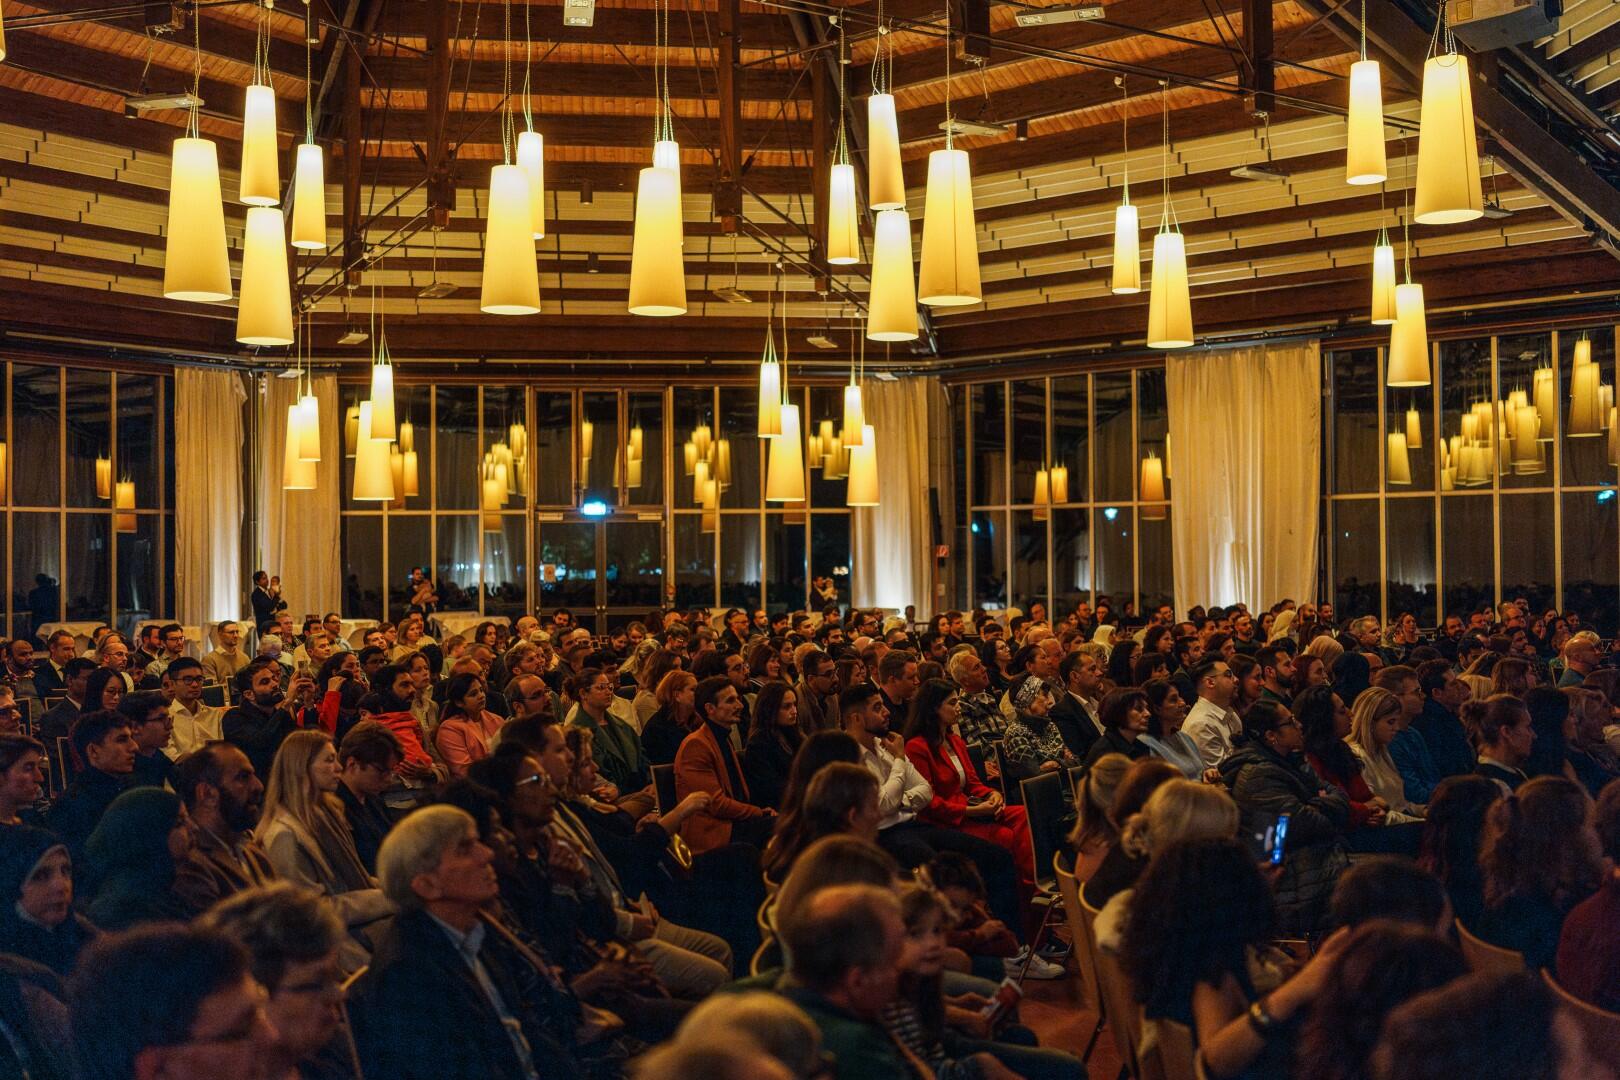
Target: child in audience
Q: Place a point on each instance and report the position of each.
(986, 941)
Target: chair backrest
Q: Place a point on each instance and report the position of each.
(1172, 1055)
(1124, 1014)
(1042, 797)
(664, 785)
(1602, 1027)
(1080, 931)
(976, 755)
(1009, 786)
(1482, 956)
(216, 695)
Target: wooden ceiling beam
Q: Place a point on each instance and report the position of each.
(54, 115)
(554, 78)
(696, 177)
(484, 129)
(612, 26)
(219, 38)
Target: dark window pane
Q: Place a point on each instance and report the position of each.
(455, 576)
(1591, 576)
(1411, 563)
(1354, 416)
(89, 436)
(1469, 563)
(1586, 458)
(362, 567)
(691, 409)
(167, 577)
(1527, 550)
(829, 553)
(601, 411)
(36, 416)
(1116, 452)
(635, 565)
(1409, 410)
(1157, 572)
(36, 570)
(1355, 558)
(168, 454)
(989, 453)
(1071, 559)
(784, 546)
(456, 454)
(694, 562)
(1465, 379)
(739, 424)
(503, 407)
(989, 560)
(138, 573)
(1071, 427)
(506, 573)
(89, 570)
(409, 540)
(1152, 428)
(1029, 559)
(1518, 357)
(646, 412)
(138, 438)
(739, 560)
(1116, 576)
(551, 444)
(1028, 436)
(566, 553)
(826, 417)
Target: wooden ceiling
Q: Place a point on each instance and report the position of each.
(402, 86)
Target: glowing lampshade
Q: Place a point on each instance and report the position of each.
(770, 395)
(296, 473)
(396, 469)
(531, 158)
(1448, 188)
(1060, 483)
(351, 430)
(1151, 490)
(516, 435)
(1541, 393)
(657, 276)
(863, 484)
(703, 439)
(886, 184)
(2, 58)
(1043, 495)
(700, 477)
(689, 455)
(1364, 156)
(196, 263)
(309, 198)
(1169, 301)
(1614, 442)
(587, 439)
(1414, 429)
(261, 171)
(1127, 276)
(892, 314)
(104, 488)
(722, 462)
(1585, 402)
(1383, 285)
(854, 416)
(1409, 339)
(309, 428)
(784, 471)
(264, 313)
(1583, 350)
(125, 505)
(413, 473)
(406, 437)
(636, 446)
(382, 399)
(373, 475)
(949, 275)
(667, 155)
(5, 473)
(1399, 462)
(511, 280)
(835, 463)
(1526, 425)
(843, 218)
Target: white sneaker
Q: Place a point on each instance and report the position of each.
(1038, 968)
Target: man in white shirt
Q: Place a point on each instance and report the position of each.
(902, 791)
(195, 722)
(1211, 723)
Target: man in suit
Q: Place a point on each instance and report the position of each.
(439, 949)
(706, 762)
(1075, 711)
(50, 677)
(265, 600)
(60, 718)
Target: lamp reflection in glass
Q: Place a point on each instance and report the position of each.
(124, 503)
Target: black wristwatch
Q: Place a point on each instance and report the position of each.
(1263, 1023)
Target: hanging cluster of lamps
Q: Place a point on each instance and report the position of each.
(707, 460)
(302, 450)
(1051, 487)
(121, 494)
(371, 430)
(1127, 273)
(779, 423)
(504, 473)
(635, 446)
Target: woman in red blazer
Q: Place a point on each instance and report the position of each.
(961, 800)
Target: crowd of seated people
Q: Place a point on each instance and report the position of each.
(797, 845)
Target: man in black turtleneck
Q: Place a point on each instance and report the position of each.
(104, 744)
(258, 725)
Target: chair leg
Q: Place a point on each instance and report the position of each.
(1096, 1033)
(1035, 942)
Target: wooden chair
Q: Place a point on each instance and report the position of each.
(1084, 948)
(1172, 1055)
(1602, 1027)
(664, 786)
(1482, 956)
(1124, 1014)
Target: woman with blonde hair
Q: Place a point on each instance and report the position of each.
(649, 675)
(1094, 832)
(1375, 718)
(305, 832)
(1512, 675)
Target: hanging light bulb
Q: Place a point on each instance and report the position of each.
(309, 198)
(531, 158)
(264, 314)
(892, 314)
(1409, 339)
(1169, 298)
(1383, 281)
(1151, 489)
(863, 481)
(1127, 273)
(196, 262)
(1448, 188)
(1364, 153)
(657, 275)
(407, 437)
(104, 489)
(1414, 429)
(784, 472)
(1398, 461)
(511, 279)
(770, 382)
(261, 170)
(886, 185)
(373, 476)
(309, 431)
(1043, 495)
(949, 274)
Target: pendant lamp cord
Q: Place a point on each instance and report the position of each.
(1167, 218)
(882, 59)
(949, 126)
(1364, 29)
(309, 82)
(508, 124)
(1441, 41)
(528, 60)
(1125, 134)
(1406, 213)
(192, 129)
(841, 145)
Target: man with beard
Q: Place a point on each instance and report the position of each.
(258, 724)
(224, 796)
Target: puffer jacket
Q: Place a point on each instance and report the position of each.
(1263, 784)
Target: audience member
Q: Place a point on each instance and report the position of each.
(1211, 723)
(1375, 719)
(1451, 838)
(38, 921)
(1094, 832)
(1120, 867)
(776, 737)
(22, 778)
(101, 740)
(367, 758)
(223, 795)
(466, 727)
(1390, 887)
(1125, 714)
(1033, 744)
(151, 726)
(1588, 958)
(258, 723)
(134, 858)
(708, 762)
(194, 722)
(1502, 731)
(1440, 722)
(672, 721)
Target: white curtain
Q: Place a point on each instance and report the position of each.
(891, 543)
(298, 530)
(1245, 458)
(208, 579)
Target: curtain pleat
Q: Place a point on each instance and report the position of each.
(298, 530)
(891, 544)
(208, 579)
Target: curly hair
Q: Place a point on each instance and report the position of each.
(1197, 908)
(1384, 964)
(1486, 1026)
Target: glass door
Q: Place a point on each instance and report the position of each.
(606, 573)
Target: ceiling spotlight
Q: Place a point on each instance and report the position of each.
(593, 263)
(1496, 211)
(1260, 172)
(1052, 15)
(732, 294)
(587, 193)
(1021, 131)
(353, 335)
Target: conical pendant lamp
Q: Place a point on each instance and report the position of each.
(297, 474)
(892, 310)
(1364, 154)
(657, 274)
(949, 274)
(531, 158)
(1127, 274)
(1448, 188)
(511, 280)
(382, 393)
(863, 481)
(261, 171)
(1151, 488)
(1383, 281)
(1397, 461)
(1409, 339)
(196, 261)
(667, 155)
(264, 314)
(784, 471)
(309, 419)
(1414, 429)
(309, 198)
(886, 185)
(1169, 296)
(373, 475)
(854, 415)
(770, 379)
(843, 219)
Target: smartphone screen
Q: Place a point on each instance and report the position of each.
(1279, 839)
(1263, 837)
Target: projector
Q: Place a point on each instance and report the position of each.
(176, 99)
(1053, 15)
(579, 12)
(821, 341)
(957, 126)
(1483, 25)
(1260, 172)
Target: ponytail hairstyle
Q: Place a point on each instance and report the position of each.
(1538, 843)
(1486, 720)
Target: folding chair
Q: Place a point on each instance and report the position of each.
(1601, 1026)
(1124, 1014)
(1084, 948)
(1042, 797)
(1009, 786)
(664, 787)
